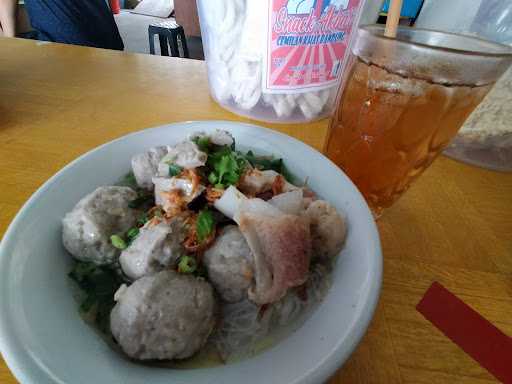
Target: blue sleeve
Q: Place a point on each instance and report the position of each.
(87, 22)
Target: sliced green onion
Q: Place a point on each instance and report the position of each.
(132, 232)
(187, 264)
(174, 170)
(205, 225)
(118, 242)
(158, 213)
(129, 180)
(143, 219)
(203, 142)
(212, 178)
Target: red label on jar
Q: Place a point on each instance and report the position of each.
(308, 42)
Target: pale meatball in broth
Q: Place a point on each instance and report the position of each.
(163, 316)
(86, 230)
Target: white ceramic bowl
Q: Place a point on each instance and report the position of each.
(43, 339)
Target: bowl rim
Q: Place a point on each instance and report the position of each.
(13, 353)
(377, 32)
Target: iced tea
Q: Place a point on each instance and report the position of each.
(389, 128)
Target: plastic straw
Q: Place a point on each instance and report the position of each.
(393, 18)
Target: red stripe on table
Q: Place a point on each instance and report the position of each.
(481, 340)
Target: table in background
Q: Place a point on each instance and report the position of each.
(453, 226)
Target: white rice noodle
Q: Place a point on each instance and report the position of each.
(240, 329)
(244, 324)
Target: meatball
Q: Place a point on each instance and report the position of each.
(86, 230)
(328, 229)
(163, 316)
(221, 137)
(217, 137)
(156, 247)
(145, 165)
(230, 265)
(186, 154)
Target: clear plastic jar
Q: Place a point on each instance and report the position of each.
(277, 60)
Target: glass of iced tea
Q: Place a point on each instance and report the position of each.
(402, 102)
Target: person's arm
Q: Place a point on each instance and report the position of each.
(8, 17)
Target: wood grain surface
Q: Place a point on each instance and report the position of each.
(453, 226)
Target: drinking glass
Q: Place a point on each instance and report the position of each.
(402, 102)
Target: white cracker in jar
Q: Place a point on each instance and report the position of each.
(220, 81)
(306, 109)
(234, 10)
(246, 84)
(315, 102)
(213, 13)
(252, 39)
(232, 26)
(282, 104)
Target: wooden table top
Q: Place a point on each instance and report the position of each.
(453, 226)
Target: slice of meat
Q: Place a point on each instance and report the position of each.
(281, 246)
